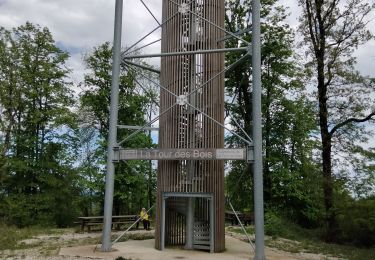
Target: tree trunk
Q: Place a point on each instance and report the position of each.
(335, 30)
(267, 137)
(326, 154)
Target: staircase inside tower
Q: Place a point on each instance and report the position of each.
(176, 223)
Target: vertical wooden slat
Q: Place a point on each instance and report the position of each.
(179, 74)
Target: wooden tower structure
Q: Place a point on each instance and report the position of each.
(190, 179)
(188, 189)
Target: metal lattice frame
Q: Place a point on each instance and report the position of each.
(192, 105)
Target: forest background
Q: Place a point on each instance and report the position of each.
(318, 112)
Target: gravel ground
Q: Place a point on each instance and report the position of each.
(47, 247)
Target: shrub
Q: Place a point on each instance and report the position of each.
(357, 222)
(273, 224)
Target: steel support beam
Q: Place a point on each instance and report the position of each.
(141, 66)
(134, 127)
(109, 179)
(166, 54)
(167, 195)
(257, 132)
(243, 228)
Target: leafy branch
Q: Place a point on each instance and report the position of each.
(351, 120)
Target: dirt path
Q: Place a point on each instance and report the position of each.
(48, 247)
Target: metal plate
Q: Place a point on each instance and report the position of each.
(183, 154)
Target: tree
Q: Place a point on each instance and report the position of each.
(333, 30)
(130, 180)
(35, 97)
(288, 118)
(89, 160)
(9, 92)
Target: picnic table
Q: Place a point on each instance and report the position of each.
(117, 221)
(246, 218)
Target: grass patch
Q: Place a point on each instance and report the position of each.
(11, 236)
(238, 230)
(49, 250)
(309, 241)
(307, 245)
(292, 238)
(136, 236)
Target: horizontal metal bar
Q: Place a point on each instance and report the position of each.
(127, 57)
(187, 195)
(137, 127)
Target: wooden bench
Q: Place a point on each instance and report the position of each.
(97, 221)
(245, 218)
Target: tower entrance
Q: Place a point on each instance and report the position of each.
(188, 220)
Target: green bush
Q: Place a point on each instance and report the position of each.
(273, 224)
(22, 210)
(11, 235)
(48, 209)
(357, 222)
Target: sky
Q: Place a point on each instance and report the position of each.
(79, 25)
(365, 54)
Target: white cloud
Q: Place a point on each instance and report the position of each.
(79, 25)
(82, 23)
(366, 58)
(75, 64)
(365, 53)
